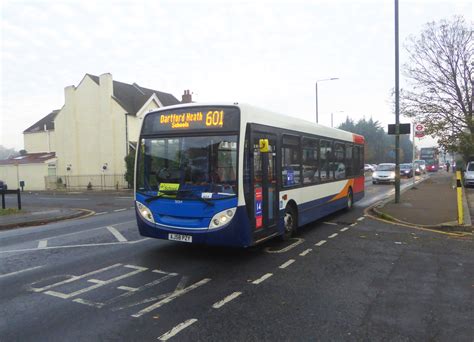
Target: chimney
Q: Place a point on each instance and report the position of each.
(69, 95)
(187, 97)
(106, 84)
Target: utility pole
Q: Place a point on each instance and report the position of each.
(317, 118)
(397, 111)
(414, 152)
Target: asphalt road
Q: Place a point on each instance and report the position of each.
(103, 202)
(342, 278)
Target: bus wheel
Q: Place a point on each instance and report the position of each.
(350, 200)
(290, 223)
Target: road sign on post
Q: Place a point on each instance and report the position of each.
(419, 131)
(403, 129)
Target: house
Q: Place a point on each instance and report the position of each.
(92, 133)
(31, 169)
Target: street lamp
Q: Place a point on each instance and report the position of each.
(326, 79)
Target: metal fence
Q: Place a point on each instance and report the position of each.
(86, 182)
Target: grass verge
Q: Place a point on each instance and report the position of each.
(9, 211)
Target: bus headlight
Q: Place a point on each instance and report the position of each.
(145, 212)
(223, 218)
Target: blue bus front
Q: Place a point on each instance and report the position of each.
(187, 177)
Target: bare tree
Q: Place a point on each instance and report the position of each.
(440, 73)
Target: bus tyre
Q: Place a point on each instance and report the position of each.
(350, 200)
(289, 223)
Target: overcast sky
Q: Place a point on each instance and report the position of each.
(266, 53)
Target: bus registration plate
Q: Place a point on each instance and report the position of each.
(180, 237)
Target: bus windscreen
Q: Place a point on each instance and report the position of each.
(197, 166)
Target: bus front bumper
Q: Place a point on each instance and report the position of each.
(235, 234)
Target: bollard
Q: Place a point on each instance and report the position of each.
(459, 197)
(18, 198)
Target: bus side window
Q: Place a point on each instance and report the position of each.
(257, 165)
(310, 161)
(339, 161)
(349, 156)
(357, 156)
(325, 155)
(291, 161)
(361, 160)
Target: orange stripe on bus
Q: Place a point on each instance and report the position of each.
(344, 191)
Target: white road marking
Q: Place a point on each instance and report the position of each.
(117, 234)
(261, 279)
(130, 292)
(168, 299)
(305, 252)
(127, 288)
(333, 235)
(18, 272)
(42, 243)
(286, 264)
(64, 198)
(352, 225)
(177, 329)
(330, 223)
(227, 299)
(179, 287)
(286, 249)
(320, 243)
(101, 213)
(85, 302)
(73, 278)
(117, 210)
(344, 229)
(96, 281)
(89, 230)
(75, 246)
(361, 218)
(137, 269)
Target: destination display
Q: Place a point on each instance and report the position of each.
(192, 118)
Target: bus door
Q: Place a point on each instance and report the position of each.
(264, 185)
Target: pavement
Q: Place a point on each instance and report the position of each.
(42, 207)
(39, 216)
(432, 204)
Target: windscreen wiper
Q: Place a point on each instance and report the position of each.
(202, 199)
(162, 193)
(175, 192)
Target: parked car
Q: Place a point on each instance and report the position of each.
(406, 170)
(369, 168)
(417, 169)
(385, 173)
(469, 175)
(422, 165)
(3, 185)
